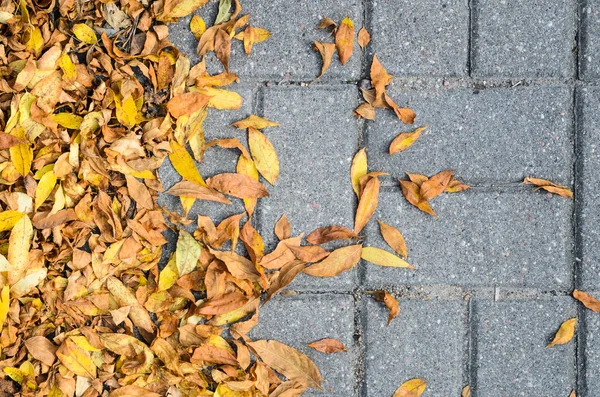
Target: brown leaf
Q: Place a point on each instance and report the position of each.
(435, 185)
(289, 389)
(286, 275)
(125, 297)
(139, 192)
(364, 37)
(7, 141)
(565, 333)
(405, 114)
(326, 234)
(549, 186)
(588, 301)
(282, 228)
(404, 140)
(326, 50)
(288, 361)
(223, 47)
(365, 110)
(190, 189)
(281, 255)
(237, 185)
(390, 302)
(466, 391)
(367, 204)
(230, 143)
(328, 346)
(222, 304)
(41, 349)
(379, 80)
(344, 40)
(186, 104)
(339, 261)
(309, 253)
(327, 23)
(411, 388)
(237, 265)
(456, 186)
(411, 190)
(393, 238)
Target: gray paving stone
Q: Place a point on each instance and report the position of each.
(303, 319)
(592, 351)
(315, 145)
(424, 341)
(514, 238)
(488, 136)
(511, 356)
(288, 53)
(428, 39)
(590, 216)
(524, 38)
(589, 56)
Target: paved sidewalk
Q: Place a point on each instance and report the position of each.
(509, 89)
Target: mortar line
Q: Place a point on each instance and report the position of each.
(578, 49)
(472, 352)
(258, 108)
(578, 191)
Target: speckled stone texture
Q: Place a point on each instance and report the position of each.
(487, 136)
(592, 352)
(425, 341)
(511, 357)
(513, 38)
(303, 319)
(514, 238)
(589, 59)
(428, 38)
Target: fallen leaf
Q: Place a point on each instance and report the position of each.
(326, 234)
(380, 257)
(565, 333)
(405, 114)
(237, 185)
(364, 38)
(365, 110)
(339, 261)
(41, 349)
(187, 103)
(264, 155)
(4, 301)
(309, 253)
(85, 33)
(456, 186)
(549, 186)
(252, 35)
(405, 140)
(328, 346)
(393, 238)
(8, 219)
(379, 80)
(411, 191)
(19, 244)
(358, 170)
(327, 23)
(411, 388)
(190, 189)
(286, 275)
(390, 302)
(588, 301)
(76, 359)
(197, 26)
(344, 40)
(283, 228)
(288, 361)
(435, 185)
(326, 50)
(367, 204)
(255, 122)
(223, 47)
(187, 253)
(466, 391)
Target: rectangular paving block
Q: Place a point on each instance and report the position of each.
(303, 319)
(315, 145)
(490, 136)
(425, 39)
(512, 238)
(424, 341)
(592, 351)
(524, 38)
(589, 31)
(589, 124)
(510, 349)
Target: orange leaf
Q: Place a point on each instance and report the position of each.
(393, 238)
(588, 301)
(411, 388)
(326, 50)
(339, 261)
(365, 110)
(565, 333)
(328, 346)
(435, 185)
(405, 140)
(344, 40)
(237, 185)
(364, 37)
(367, 204)
(330, 233)
(390, 302)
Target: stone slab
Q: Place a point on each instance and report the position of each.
(589, 56)
(511, 238)
(303, 319)
(487, 136)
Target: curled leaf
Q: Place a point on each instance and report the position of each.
(390, 302)
(326, 50)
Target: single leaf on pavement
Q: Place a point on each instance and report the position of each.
(339, 261)
(327, 23)
(405, 140)
(549, 186)
(393, 238)
(358, 170)
(466, 391)
(283, 228)
(390, 302)
(380, 257)
(264, 155)
(288, 361)
(344, 40)
(326, 50)
(364, 37)
(588, 301)
(365, 110)
(328, 346)
(254, 121)
(411, 388)
(565, 333)
(367, 204)
(326, 234)
(405, 114)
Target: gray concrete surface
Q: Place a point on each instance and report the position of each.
(509, 89)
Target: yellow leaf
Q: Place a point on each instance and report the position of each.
(4, 304)
(21, 156)
(246, 167)
(264, 155)
(127, 112)
(184, 164)
(380, 257)
(68, 120)
(168, 276)
(9, 218)
(84, 33)
(68, 68)
(82, 342)
(367, 204)
(44, 188)
(76, 359)
(565, 333)
(18, 249)
(182, 9)
(222, 99)
(405, 140)
(34, 41)
(358, 170)
(344, 40)
(254, 121)
(187, 253)
(197, 26)
(411, 388)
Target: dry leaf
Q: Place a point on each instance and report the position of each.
(358, 170)
(380, 257)
(411, 191)
(264, 155)
(390, 302)
(405, 140)
(339, 261)
(393, 238)
(187, 253)
(190, 189)
(328, 346)
(549, 186)
(255, 122)
(456, 186)
(283, 228)
(466, 391)
(41, 349)
(364, 38)
(588, 301)
(435, 185)
(405, 114)
(286, 275)
(367, 204)
(288, 361)
(565, 333)
(326, 50)
(85, 33)
(365, 110)
(411, 388)
(237, 185)
(344, 40)
(326, 234)
(327, 23)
